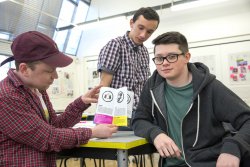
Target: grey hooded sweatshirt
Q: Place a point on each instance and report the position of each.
(204, 137)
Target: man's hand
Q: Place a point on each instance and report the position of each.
(227, 160)
(92, 95)
(166, 146)
(103, 130)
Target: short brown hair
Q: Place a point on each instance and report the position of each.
(172, 37)
(148, 13)
(31, 65)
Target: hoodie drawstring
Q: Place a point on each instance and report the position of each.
(198, 122)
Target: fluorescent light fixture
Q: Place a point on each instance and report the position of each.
(41, 27)
(5, 36)
(87, 26)
(194, 4)
(98, 23)
(2, 0)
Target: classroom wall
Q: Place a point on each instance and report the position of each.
(101, 8)
(215, 34)
(199, 24)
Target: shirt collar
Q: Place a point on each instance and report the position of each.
(13, 77)
(130, 42)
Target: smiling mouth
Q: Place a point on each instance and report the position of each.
(166, 70)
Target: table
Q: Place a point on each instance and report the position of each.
(121, 145)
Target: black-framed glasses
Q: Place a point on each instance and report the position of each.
(171, 58)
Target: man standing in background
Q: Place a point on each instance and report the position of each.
(124, 61)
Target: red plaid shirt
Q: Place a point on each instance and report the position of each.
(27, 139)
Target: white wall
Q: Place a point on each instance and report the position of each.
(228, 19)
(211, 22)
(104, 8)
(215, 24)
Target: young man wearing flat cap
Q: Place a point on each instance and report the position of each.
(30, 131)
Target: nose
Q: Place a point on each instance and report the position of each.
(143, 35)
(55, 75)
(165, 61)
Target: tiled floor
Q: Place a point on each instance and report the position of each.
(75, 162)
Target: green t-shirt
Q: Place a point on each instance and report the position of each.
(178, 100)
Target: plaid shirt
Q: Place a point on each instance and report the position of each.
(27, 139)
(128, 62)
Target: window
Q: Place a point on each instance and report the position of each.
(65, 17)
(71, 12)
(4, 69)
(75, 34)
(5, 35)
(60, 38)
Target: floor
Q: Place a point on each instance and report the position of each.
(75, 162)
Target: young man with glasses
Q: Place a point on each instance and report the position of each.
(183, 109)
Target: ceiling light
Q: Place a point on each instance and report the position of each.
(194, 4)
(96, 24)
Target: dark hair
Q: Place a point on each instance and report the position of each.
(148, 13)
(31, 65)
(172, 37)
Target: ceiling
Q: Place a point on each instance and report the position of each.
(18, 16)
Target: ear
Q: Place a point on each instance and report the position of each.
(131, 23)
(188, 57)
(24, 69)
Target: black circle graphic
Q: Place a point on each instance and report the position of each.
(120, 97)
(107, 96)
(129, 99)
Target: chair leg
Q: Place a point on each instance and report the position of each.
(95, 162)
(144, 161)
(61, 162)
(82, 162)
(65, 162)
(141, 161)
(151, 160)
(103, 162)
(136, 161)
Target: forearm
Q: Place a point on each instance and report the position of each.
(47, 138)
(146, 129)
(106, 79)
(71, 115)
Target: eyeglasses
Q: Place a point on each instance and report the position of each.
(171, 58)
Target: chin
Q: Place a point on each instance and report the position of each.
(168, 77)
(44, 88)
(164, 75)
(139, 43)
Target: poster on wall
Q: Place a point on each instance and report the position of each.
(208, 60)
(239, 68)
(63, 86)
(93, 74)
